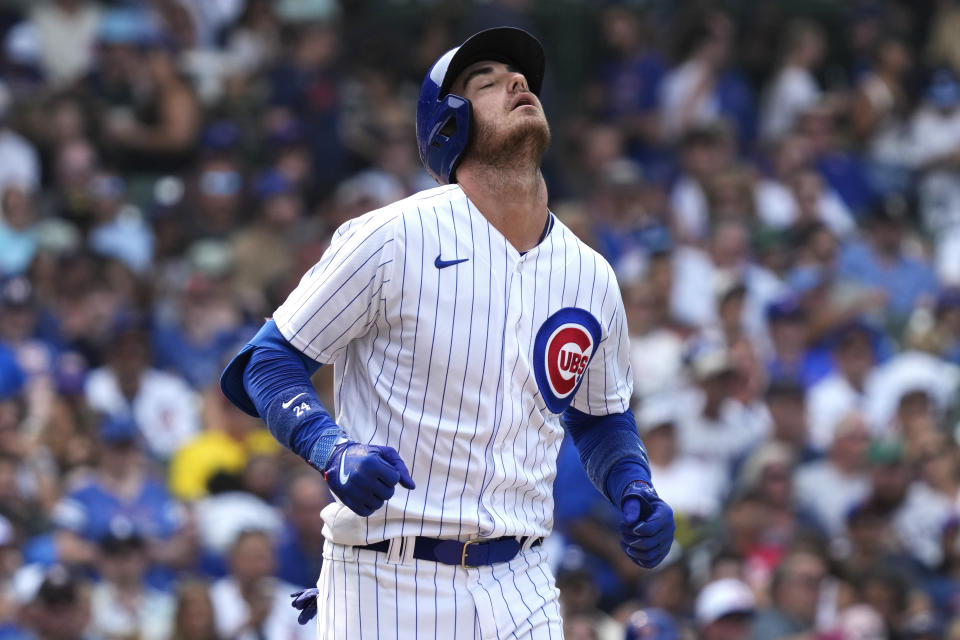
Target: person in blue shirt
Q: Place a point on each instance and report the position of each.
(787, 324)
(120, 488)
(629, 81)
(880, 262)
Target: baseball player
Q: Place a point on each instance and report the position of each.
(467, 328)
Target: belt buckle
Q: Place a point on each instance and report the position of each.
(463, 553)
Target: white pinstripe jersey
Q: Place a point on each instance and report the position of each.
(459, 352)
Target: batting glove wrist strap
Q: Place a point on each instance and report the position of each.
(322, 449)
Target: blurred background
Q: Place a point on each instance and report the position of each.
(777, 185)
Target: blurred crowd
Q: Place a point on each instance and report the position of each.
(777, 185)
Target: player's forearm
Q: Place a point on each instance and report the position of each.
(276, 380)
(610, 450)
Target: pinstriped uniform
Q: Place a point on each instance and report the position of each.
(459, 352)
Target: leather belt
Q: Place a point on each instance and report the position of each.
(472, 553)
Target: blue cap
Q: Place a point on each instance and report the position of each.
(651, 624)
(786, 308)
(289, 132)
(656, 239)
(118, 429)
(857, 325)
(944, 89)
(273, 183)
(221, 136)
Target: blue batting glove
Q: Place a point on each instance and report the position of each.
(363, 476)
(646, 532)
(306, 602)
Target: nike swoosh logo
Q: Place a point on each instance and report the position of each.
(343, 476)
(443, 264)
(286, 405)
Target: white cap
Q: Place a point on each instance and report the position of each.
(656, 410)
(722, 598)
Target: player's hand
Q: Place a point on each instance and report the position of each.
(363, 476)
(306, 602)
(646, 532)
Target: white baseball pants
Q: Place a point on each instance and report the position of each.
(374, 595)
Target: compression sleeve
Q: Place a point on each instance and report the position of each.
(275, 382)
(610, 450)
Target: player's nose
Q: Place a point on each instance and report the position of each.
(517, 82)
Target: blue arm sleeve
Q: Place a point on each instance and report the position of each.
(610, 450)
(270, 379)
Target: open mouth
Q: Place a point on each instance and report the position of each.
(523, 100)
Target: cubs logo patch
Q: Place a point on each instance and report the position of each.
(561, 352)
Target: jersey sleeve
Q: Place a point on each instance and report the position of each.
(608, 381)
(337, 300)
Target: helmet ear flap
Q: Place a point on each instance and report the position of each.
(448, 137)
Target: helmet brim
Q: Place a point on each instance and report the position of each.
(509, 45)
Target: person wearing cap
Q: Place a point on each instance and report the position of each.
(408, 474)
(712, 426)
(881, 262)
(695, 490)
(785, 401)
(932, 151)
(787, 326)
(122, 604)
(119, 230)
(848, 387)
(122, 487)
(130, 385)
(261, 251)
(828, 488)
(916, 512)
(724, 610)
(59, 608)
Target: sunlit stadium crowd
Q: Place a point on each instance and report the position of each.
(776, 184)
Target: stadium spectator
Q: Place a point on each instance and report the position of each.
(169, 168)
(299, 548)
(194, 617)
(66, 32)
(249, 602)
(794, 87)
(122, 604)
(162, 405)
(724, 610)
(119, 487)
(19, 162)
(795, 592)
(840, 479)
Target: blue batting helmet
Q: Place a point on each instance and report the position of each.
(651, 624)
(443, 119)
